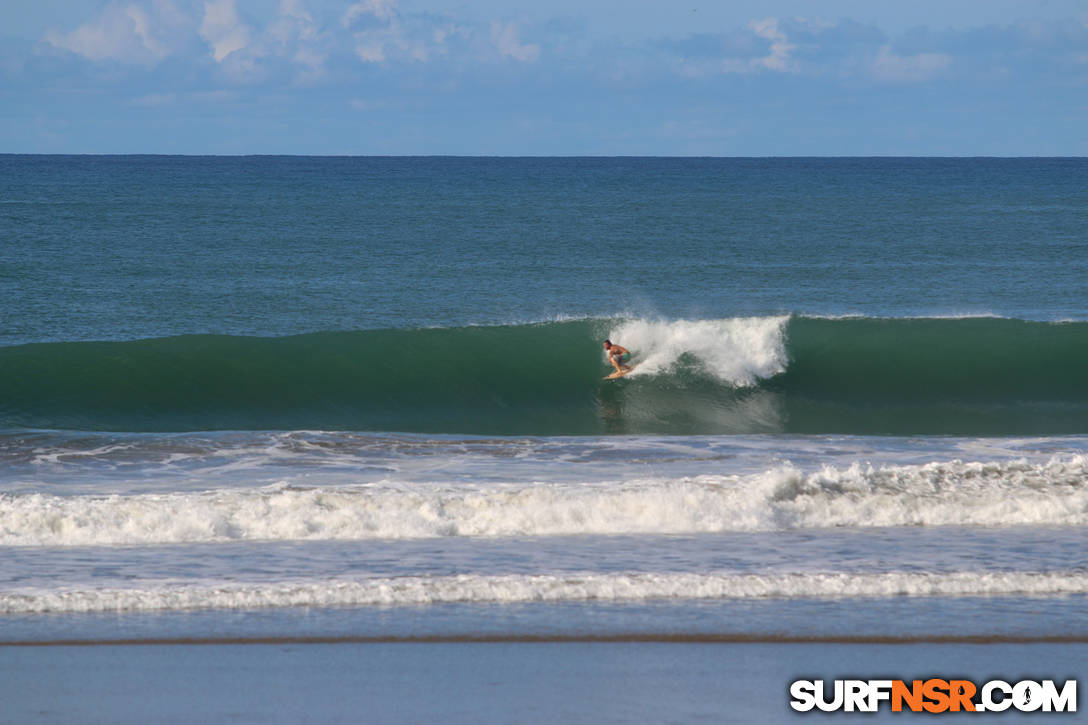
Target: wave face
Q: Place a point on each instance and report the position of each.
(970, 376)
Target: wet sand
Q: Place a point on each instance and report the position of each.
(496, 681)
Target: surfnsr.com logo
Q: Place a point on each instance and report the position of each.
(933, 695)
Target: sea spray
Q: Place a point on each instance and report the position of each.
(739, 352)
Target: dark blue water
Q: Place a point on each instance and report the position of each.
(139, 247)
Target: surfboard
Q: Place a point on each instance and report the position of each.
(620, 373)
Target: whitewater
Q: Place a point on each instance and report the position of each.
(281, 522)
(934, 494)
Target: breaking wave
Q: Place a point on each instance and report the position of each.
(951, 493)
(483, 589)
(967, 376)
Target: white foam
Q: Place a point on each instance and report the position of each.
(738, 351)
(920, 316)
(542, 588)
(959, 493)
(43, 456)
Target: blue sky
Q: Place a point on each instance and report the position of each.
(612, 77)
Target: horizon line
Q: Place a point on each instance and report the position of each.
(538, 156)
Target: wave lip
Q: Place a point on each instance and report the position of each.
(544, 588)
(953, 493)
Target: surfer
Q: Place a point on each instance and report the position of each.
(618, 356)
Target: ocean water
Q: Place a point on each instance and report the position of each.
(362, 398)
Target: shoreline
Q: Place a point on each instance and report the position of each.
(632, 638)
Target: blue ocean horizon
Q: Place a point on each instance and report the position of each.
(124, 248)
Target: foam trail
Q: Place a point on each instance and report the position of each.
(935, 494)
(542, 588)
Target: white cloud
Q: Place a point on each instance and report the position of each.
(450, 31)
(908, 68)
(120, 32)
(389, 43)
(297, 37)
(222, 29)
(312, 61)
(387, 36)
(778, 58)
(294, 23)
(762, 46)
(370, 50)
(381, 9)
(505, 38)
(294, 40)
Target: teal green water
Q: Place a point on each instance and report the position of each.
(865, 376)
